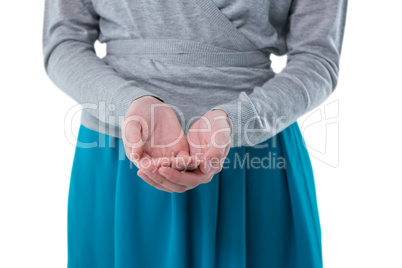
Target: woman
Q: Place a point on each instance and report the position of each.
(189, 153)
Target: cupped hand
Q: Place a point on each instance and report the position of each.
(153, 137)
(209, 141)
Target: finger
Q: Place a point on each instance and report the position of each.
(143, 176)
(160, 181)
(211, 160)
(132, 139)
(145, 162)
(194, 162)
(149, 167)
(178, 162)
(151, 164)
(181, 161)
(133, 154)
(166, 161)
(189, 179)
(162, 161)
(134, 131)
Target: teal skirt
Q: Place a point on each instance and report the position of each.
(259, 211)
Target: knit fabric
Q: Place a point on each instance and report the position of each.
(197, 56)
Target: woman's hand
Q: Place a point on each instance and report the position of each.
(209, 141)
(153, 137)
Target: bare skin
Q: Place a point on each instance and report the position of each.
(211, 147)
(168, 160)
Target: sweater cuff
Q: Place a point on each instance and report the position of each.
(244, 119)
(125, 95)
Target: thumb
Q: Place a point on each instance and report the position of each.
(134, 137)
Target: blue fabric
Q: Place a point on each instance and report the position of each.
(246, 216)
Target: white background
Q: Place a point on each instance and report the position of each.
(356, 155)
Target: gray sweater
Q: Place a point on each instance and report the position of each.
(196, 55)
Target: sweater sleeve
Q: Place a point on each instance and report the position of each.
(70, 29)
(314, 41)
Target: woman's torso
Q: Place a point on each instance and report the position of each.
(194, 89)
